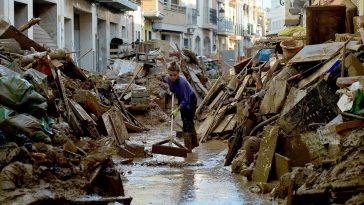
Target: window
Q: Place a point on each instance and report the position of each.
(123, 31)
(185, 42)
(149, 35)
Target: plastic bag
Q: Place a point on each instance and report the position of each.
(5, 113)
(19, 94)
(358, 105)
(38, 79)
(37, 130)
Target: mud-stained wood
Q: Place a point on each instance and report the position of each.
(219, 117)
(274, 99)
(216, 100)
(204, 127)
(80, 112)
(115, 125)
(231, 126)
(224, 123)
(282, 165)
(235, 146)
(266, 153)
(239, 93)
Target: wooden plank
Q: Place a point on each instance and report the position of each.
(361, 30)
(135, 128)
(235, 145)
(220, 128)
(282, 165)
(219, 116)
(215, 88)
(320, 72)
(56, 63)
(266, 152)
(198, 82)
(80, 112)
(231, 126)
(240, 92)
(349, 125)
(115, 125)
(204, 126)
(274, 98)
(347, 81)
(203, 138)
(216, 100)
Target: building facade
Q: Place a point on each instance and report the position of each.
(85, 27)
(275, 17)
(240, 23)
(188, 23)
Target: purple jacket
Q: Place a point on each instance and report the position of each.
(183, 91)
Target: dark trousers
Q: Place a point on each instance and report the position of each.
(188, 115)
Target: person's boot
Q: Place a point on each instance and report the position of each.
(187, 141)
(195, 142)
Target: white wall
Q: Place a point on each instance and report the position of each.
(86, 42)
(62, 25)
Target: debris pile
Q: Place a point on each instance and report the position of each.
(294, 115)
(59, 127)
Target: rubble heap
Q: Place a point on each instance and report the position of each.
(296, 118)
(59, 127)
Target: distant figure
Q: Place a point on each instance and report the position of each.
(187, 102)
(135, 43)
(115, 43)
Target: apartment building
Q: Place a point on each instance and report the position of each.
(275, 17)
(188, 23)
(240, 22)
(84, 26)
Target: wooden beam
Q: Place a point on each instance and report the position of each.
(266, 153)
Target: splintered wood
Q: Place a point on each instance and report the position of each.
(115, 125)
(266, 152)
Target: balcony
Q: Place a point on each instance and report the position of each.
(152, 9)
(209, 18)
(174, 8)
(175, 19)
(225, 26)
(239, 30)
(120, 5)
(192, 17)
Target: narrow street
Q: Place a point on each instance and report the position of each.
(201, 178)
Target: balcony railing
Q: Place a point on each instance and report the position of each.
(210, 16)
(174, 8)
(225, 25)
(192, 16)
(239, 30)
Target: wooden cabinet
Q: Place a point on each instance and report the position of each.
(323, 22)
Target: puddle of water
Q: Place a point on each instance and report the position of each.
(210, 183)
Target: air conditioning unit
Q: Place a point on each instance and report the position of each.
(190, 30)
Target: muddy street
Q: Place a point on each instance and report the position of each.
(200, 178)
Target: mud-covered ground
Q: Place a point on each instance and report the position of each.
(200, 178)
